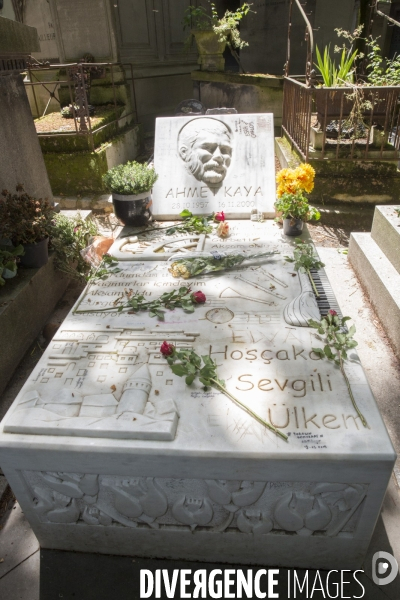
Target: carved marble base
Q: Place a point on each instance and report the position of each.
(108, 451)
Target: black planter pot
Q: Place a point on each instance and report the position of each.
(36, 255)
(133, 210)
(293, 226)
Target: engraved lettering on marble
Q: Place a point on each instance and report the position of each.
(257, 508)
(205, 145)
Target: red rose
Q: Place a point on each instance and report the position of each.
(219, 216)
(332, 312)
(198, 297)
(167, 349)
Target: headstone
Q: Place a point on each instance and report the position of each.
(214, 163)
(37, 14)
(221, 111)
(108, 451)
(84, 27)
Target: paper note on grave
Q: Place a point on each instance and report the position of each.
(212, 163)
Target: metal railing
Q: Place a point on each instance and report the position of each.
(78, 77)
(309, 37)
(344, 123)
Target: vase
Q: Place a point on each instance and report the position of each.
(293, 226)
(210, 50)
(36, 255)
(133, 209)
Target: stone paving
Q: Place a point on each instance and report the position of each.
(28, 573)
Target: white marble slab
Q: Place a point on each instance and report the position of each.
(211, 163)
(108, 451)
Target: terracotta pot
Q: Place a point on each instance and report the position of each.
(36, 255)
(293, 227)
(133, 210)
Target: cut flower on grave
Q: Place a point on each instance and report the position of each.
(338, 339)
(186, 363)
(192, 266)
(223, 229)
(134, 302)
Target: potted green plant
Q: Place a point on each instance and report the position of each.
(130, 185)
(359, 101)
(213, 34)
(8, 261)
(292, 204)
(27, 221)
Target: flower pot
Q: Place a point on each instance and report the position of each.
(278, 215)
(8, 274)
(210, 50)
(133, 210)
(293, 226)
(36, 255)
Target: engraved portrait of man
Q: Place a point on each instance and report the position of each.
(205, 146)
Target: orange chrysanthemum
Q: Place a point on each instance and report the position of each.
(292, 181)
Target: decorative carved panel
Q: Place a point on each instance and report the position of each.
(257, 508)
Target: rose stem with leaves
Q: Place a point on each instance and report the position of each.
(190, 366)
(249, 411)
(333, 328)
(304, 260)
(183, 298)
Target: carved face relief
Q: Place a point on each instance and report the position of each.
(205, 145)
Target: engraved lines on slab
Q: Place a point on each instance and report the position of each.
(256, 318)
(304, 307)
(100, 382)
(125, 275)
(261, 287)
(257, 508)
(116, 345)
(130, 248)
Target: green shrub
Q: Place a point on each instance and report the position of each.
(68, 238)
(295, 206)
(132, 178)
(23, 218)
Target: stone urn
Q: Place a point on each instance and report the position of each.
(210, 50)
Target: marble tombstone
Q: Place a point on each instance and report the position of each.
(108, 451)
(207, 164)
